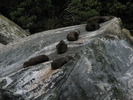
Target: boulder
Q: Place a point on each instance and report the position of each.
(101, 68)
(9, 31)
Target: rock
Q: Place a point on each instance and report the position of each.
(9, 31)
(57, 63)
(1, 45)
(101, 68)
(131, 31)
(73, 36)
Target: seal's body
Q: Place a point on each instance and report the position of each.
(93, 23)
(36, 60)
(92, 26)
(99, 19)
(73, 36)
(61, 47)
(60, 62)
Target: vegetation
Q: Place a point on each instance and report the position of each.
(40, 15)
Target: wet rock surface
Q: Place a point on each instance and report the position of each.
(101, 68)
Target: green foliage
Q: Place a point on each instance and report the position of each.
(30, 12)
(114, 8)
(78, 12)
(40, 15)
(118, 8)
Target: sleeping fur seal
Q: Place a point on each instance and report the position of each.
(36, 60)
(73, 36)
(60, 62)
(99, 19)
(61, 47)
(92, 26)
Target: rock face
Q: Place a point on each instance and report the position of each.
(9, 31)
(101, 68)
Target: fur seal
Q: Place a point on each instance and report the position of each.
(36, 60)
(92, 26)
(99, 19)
(73, 36)
(60, 62)
(61, 47)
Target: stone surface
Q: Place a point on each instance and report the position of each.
(101, 68)
(9, 31)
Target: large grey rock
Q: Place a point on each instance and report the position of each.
(9, 31)
(101, 68)
(1, 45)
